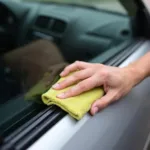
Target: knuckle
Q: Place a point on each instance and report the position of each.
(104, 73)
(102, 105)
(90, 70)
(74, 91)
(99, 65)
(71, 92)
(82, 86)
(71, 80)
(65, 82)
(77, 62)
(105, 103)
(76, 76)
(95, 81)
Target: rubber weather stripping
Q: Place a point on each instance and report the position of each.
(124, 54)
(40, 130)
(34, 128)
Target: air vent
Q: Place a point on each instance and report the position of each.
(42, 22)
(59, 26)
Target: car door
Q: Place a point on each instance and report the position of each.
(96, 36)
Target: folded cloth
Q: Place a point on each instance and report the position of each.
(49, 78)
(76, 106)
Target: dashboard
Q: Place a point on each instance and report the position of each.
(80, 33)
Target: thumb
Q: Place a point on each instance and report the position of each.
(102, 102)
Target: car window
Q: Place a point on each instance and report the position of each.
(49, 37)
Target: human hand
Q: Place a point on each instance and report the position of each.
(117, 82)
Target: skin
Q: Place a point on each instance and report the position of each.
(117, 82)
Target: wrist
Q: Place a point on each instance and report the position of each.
(136, 74)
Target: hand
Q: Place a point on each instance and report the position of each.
(117, 82)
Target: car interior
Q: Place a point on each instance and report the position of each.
(38, 36)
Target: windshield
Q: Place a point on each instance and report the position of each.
(112, 5)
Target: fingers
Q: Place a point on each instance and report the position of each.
(80, 75)
(102, 103)
(78, 65)
(81, 87)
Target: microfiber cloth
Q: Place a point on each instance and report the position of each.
(76, 106)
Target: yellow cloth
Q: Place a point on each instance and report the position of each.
(76, 106)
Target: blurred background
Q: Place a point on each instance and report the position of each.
(112, 5)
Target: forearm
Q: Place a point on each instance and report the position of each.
(140, 69)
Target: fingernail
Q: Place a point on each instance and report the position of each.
(62, 95)
(95, 110)
(55, 86)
